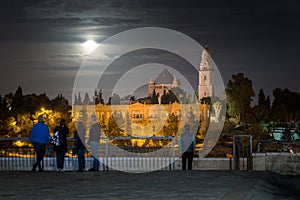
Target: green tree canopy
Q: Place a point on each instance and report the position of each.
(239, 93)
(285, 106)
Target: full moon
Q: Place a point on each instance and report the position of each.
(90, 45)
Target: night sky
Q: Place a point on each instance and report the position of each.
(41, 41)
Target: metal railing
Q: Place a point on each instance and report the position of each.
(292, 146)
(114, 154)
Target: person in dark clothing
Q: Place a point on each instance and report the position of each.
(79, 136)
(39, 136)
(187, 145)
(60, 144)
(94, 139)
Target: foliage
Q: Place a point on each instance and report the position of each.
(206, 100)
(239, 93)
(285, 107)
(217, 108)
(115, 123)
(169, 97)
(154, 97)
(257, 133)
(19, 112)
(172, 124)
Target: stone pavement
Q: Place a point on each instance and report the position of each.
(154, 185)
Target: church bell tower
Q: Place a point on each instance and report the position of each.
(206, 75)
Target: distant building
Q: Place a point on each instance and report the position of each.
(145, 119)
(148, 119)
(206, 75)
(163, 84)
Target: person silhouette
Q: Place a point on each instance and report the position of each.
(94, 140)
(61, 145)
(40, 137)
(79, 136)
(187, 145)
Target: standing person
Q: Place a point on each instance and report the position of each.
(187, 145)
(39, 136)
(60, 144)
(94, 139)
(79, 136)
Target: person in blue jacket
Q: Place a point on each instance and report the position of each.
(39, 136)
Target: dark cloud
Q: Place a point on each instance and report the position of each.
(244, 36)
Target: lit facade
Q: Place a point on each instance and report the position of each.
(206, 75)
(145, 119)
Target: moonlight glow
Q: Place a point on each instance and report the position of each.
(90, 45)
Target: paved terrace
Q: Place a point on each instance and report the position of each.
(154, 185)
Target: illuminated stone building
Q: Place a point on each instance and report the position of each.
(149, 119)
(206, 75)
(145, 119)
(163, 84)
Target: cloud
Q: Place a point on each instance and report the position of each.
(66, 56)
(243, 35)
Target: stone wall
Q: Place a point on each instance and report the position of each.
(283, 163)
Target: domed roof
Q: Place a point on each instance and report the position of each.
(165, 77)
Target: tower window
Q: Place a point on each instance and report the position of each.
(204, 78)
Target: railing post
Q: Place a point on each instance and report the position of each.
(234, 152)
(106, 154)
(173, 154)
(251, 156)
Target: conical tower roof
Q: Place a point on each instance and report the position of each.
(165, 77)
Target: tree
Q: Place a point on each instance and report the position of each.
(128, 124)
(79, 101)
(261, 97)
(261, 111)
(154, 97)
(285, 106)
(180, 95)
(171, 127)
(206, 100)
(164, 98)
(239, 94)
(18, 112)
(18, 100)
(262, 100)
(257, 133)
(114, 129)
(7, 101)
(4, 113)
(61, 105)
(217, 108)
(168, 97)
